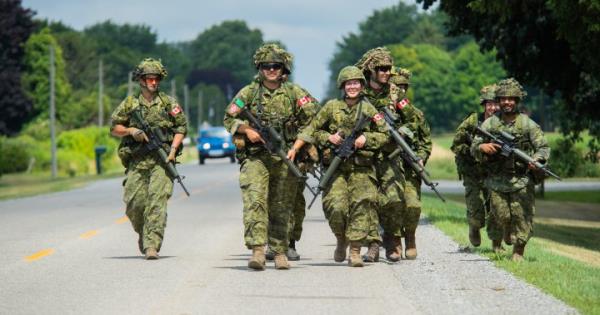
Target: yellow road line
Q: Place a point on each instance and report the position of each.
(41, 254)
(122, 220)
(88, 234)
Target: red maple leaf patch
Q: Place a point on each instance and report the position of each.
(303, 101)
(402, 103)
(175, 110)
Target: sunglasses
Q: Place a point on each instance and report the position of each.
(383, 68)
(152, 79)
(271, 66)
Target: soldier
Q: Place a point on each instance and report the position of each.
(511, 182)
(377, 66)
(470, 171)
(147, 186)
(350, 199)
(268, 188)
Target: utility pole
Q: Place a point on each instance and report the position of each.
(130, 83)
(100, 92)
(52, 115)
(173, 89)
(186, 104)
(543, 123)
(199, 117)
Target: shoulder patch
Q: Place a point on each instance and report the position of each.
(403, 103)
(236, 107)
(377, 117)
(303, 101)
(175, 110)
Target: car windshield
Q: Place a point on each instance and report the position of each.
(214, 133)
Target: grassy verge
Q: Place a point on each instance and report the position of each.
(591, 196)
(26, 185)
(574, 282)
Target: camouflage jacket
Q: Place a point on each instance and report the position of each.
(461, 146)
(336, 116)
(289, 109)
(421, 142)
(509, 174)
(163, 112)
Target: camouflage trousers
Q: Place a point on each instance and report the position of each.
(298, 212)
(514, 212)
(412, 207)
(350, 202)
(146, 194)
(390, 177)
(268, 189)
(476, 199)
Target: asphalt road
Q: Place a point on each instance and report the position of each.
(74, 252)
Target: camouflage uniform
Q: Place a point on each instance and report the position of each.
(268, 188)
(147, 186)
(351, 198)
(510, 181)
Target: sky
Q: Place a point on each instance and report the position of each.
(308, 28)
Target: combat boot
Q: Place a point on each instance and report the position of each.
(411, 244)
(354, 260)
(292, 254)
(474, 236)
(151, 254)
(518, 252)
(507, 238)
(497, 246)
(394, 251)
(339, 255)
(372, 254)
(281, 262)
(257, 261)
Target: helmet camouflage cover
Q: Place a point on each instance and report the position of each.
(510, 88)
(350, 73)
(273, 53)
(400, 76)
(376, 57)
(150, 66)
(487, 93)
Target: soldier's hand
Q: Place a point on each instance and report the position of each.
(291, 154)
(335, 138)
(532, 166)
(137, 134)
(171, 157)
(254, 136)
(360, 141)
(489, 148)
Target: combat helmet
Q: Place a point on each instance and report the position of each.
(149, 66)
(350, 73)
(268, 53)
(376, 57)
(400, 76)
(510, 88)
(487, 93)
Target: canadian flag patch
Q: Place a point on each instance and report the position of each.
(378, 117)
(175, 110)
(402, 103)
(235, 107)
(303, 101)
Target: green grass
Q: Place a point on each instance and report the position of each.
(442, 169)
(571, 281)
(592, 196)
(443, 140)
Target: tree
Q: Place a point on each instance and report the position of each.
(551, 44)
(228, 46)
(16, 26)
(36, 77)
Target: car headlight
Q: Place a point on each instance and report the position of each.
(225, 145)
(206, 146)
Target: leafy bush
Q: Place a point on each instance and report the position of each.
(568, 160)
(13, 156)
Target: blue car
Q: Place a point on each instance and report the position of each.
(215, 142)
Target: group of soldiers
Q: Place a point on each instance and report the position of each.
(371, 195)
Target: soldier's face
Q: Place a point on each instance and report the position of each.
(490, 108)
(150, 82)
(382, 74)
(352, 88)
(507, 104)
(271, 71)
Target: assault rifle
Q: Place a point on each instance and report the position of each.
(507, 148)
(341, 153)
(154, 146)
(407, 154)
